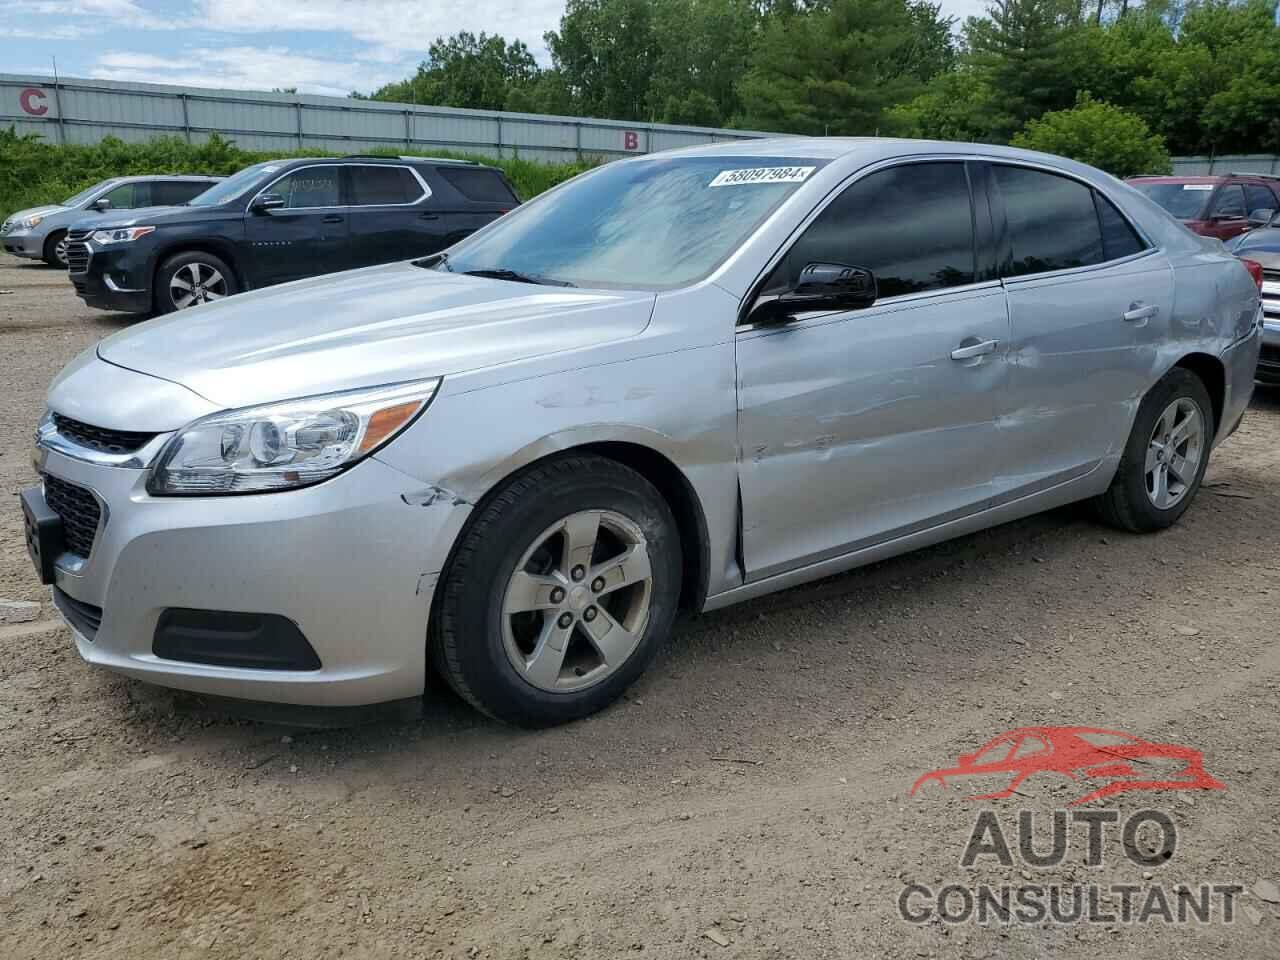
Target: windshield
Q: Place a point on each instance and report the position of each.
(1186, 201)
(647, 224)
(234, 185)
(83, 195)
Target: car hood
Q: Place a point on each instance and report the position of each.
(158, 216)
(32, 211)
(365, 327)
(1262, 246)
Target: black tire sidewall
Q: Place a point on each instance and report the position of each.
(163, 302)
(50, 252)
(472, 604)
(1132, 471)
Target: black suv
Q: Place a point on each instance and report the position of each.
(279, 221)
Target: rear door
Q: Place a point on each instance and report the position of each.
(393, 214)
(1089, 303)
(308, 236)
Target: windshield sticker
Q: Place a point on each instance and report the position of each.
(735, 178)
(1197, 186)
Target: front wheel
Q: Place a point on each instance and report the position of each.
(560, 594)
(55, 249)
(1165, 457)
(190, 279)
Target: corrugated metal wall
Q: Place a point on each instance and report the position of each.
(1232, 163)
(85, 111)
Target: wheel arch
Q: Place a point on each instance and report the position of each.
(223, 251)
(641, 452)
(1213, 375)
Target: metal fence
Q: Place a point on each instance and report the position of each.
(85, 111)
(1230, 163)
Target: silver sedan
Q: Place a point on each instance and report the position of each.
(685, 379)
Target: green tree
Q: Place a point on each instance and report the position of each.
(605, 51)
(838, 69)
(1099, 134)
(466, 70)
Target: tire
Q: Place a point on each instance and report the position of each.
(54, 253)
(1129, 502)
(489, 654)
(209, 279)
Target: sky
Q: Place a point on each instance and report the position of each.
(319, 46)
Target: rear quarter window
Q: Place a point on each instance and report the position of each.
(483, 186)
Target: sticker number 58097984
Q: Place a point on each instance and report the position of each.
(734, 178)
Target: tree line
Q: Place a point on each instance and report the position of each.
(1113, 82)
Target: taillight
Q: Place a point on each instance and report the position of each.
(1255, 271)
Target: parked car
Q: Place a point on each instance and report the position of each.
(40, 233)
(692, 377)
(280, 221)
(1215, 206)
(1262, 246)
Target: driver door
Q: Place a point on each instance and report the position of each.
(308, 236)
(861, 426)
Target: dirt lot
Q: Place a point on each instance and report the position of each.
(754, 786)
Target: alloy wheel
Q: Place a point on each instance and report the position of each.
(60, 251)
(195, 283)
(577, 604)
(1174, 453)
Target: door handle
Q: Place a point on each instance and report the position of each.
(1139, 311)
(428, 216)
(333, 218)
(974, 350)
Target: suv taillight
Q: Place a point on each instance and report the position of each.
(1255, 271)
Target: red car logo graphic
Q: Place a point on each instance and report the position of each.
(1087, 754)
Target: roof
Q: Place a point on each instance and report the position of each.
(166, 176)
(1198, 177)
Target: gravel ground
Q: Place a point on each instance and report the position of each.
(749, 797)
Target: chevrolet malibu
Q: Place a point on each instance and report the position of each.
(685, 379)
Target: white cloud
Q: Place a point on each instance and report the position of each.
(248, 68)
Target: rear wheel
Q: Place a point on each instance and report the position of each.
(1165, 457)
(55, 249)
(560, 594)
(190, 279)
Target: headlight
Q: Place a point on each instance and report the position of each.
(30, 222)
(279, 446)
(121, 235)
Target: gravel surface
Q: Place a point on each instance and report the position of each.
(748, 798)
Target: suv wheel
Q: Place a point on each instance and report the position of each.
(55, 249)
(560, 594)
(1165, 457)
(190, 279)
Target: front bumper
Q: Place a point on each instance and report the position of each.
(112, 279)
(352, 562)
(1269, 358)
(24, 243)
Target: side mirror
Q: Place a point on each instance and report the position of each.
(102, 204)
(267, 202)
(821, 286)
(1261, 217)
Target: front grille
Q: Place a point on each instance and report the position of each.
(79, 234)
(79, 511)
(100, 438)
(85, 617)
(77, 257)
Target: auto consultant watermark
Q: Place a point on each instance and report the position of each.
(1102, 763)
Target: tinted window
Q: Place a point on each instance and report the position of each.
(1118, 237)
(309, 187)
(1183, 200)
(912, 226)
(653, 223)
(1052, 222)
(1229, 202)
(483, 185)
(373, 185)
(1258, 197)
(236, 184)
(167, 192)
(127, 196)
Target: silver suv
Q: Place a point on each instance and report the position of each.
(689, 378)
(40, 233)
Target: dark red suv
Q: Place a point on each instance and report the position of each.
(1219, 206)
